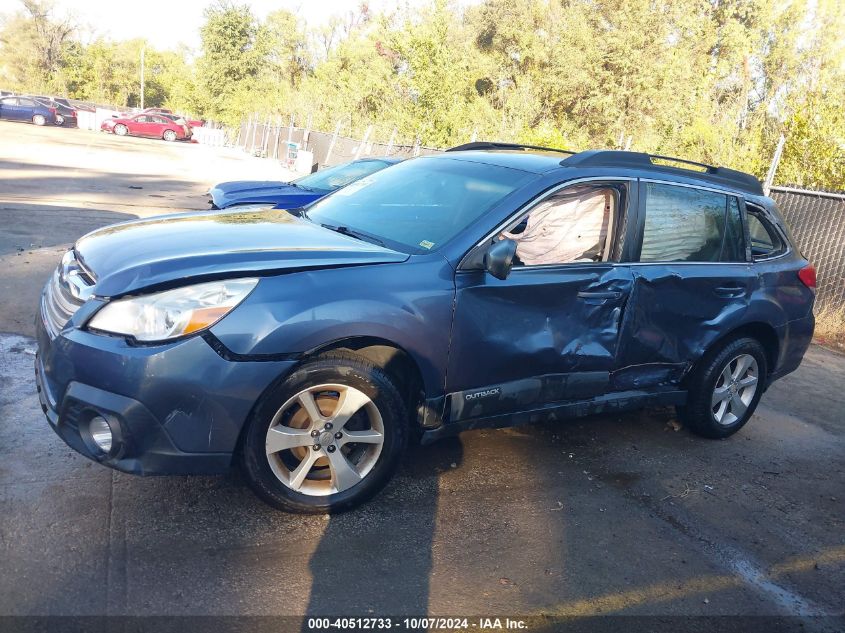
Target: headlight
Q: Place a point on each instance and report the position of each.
(173, 313)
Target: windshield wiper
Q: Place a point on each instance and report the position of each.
(358, 235)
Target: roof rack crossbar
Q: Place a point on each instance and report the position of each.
(494, 145)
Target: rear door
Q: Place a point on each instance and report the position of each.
(139, 125)
(693, 281)
(549, 333)
(26, 108)
(158, 124)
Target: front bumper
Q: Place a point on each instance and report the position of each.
(178, 407)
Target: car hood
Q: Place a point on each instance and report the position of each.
(281, 194)
(169, 250)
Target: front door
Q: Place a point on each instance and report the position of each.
(548, 333)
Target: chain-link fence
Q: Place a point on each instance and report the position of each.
(817, 220)
(273, 139)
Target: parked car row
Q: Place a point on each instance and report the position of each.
(61, 111)
(33, 110)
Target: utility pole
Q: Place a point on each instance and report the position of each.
(773, 167)
(142, 77)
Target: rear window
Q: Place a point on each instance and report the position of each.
(684, 224)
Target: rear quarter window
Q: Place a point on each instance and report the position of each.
(765, 239)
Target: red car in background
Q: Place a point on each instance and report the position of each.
(170, 115)
(149, 125)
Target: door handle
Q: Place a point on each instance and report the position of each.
(611, 294)
(598, 298)
(729, 292)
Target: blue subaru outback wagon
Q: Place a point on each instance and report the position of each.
(487, 286)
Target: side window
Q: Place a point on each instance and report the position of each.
(26, 102)
(765, 240)
(575, 225)
(683, 224)
(9, 101)
(141, 119)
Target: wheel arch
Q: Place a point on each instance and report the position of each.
(392, 358)
(758, 330)
(387, 355)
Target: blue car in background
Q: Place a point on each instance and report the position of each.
(299, 192)
(26, 109)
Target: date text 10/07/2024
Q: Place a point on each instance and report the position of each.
(415, 624)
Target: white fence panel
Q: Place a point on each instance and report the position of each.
(208, 136)
(92, 120)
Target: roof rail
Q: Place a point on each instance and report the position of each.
(640, 160)
(494, 145)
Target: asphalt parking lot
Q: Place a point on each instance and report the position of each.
(626, 515)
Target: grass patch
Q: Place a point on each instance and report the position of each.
(830, 327)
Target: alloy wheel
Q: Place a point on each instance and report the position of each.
(325, 439)
(735, 389)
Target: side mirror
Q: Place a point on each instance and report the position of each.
(498, 260)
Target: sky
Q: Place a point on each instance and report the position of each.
(166, 24)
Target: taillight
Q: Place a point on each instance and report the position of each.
(807, 275)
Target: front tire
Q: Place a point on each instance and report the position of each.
(39, 119)
(121, 130)
(169, 135)
(327, 438)
(725, 389)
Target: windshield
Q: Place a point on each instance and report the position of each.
(332, 178)
(421, 203)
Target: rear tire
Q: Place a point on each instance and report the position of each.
(169, 135)
(725, 388)
(121, 130)
(39, 119)
(348, 409)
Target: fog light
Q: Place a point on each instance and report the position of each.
(100, 433)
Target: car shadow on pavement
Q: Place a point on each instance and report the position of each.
(377, 561)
